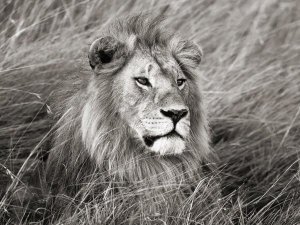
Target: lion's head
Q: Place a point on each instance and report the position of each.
(140, 116)
(153, 84)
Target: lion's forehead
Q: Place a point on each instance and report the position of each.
(161, 60)
(168, 64)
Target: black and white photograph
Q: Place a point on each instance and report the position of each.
(182, 112)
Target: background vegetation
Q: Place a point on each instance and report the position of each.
(251, 82)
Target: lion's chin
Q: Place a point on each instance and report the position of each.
(168, 145)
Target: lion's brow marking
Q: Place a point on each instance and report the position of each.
(148, 68)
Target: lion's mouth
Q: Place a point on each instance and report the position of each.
(149, 140)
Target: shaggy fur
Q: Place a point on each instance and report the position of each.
(92, 141)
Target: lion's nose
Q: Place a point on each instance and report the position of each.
(175, 115)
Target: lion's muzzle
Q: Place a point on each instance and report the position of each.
(166, 132)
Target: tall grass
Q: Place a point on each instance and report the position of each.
(251, 82)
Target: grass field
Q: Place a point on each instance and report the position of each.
(251, 81)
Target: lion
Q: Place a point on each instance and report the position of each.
(139, 118)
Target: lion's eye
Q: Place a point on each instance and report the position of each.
(143, 81)
(180, 82)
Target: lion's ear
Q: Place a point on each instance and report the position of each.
(106, 52)
(187, 53)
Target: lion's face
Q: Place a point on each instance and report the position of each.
(153, 102)
(152, 86)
